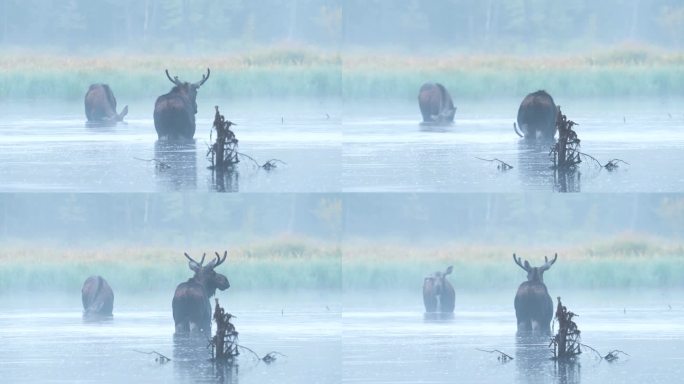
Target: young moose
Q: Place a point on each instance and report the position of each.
(191, 307)
(438, 293)
(533, 305)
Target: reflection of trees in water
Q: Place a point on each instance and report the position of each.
(225, 180)
(568, 372)
(191, 362)
(181, 158)
(535, 167)
(567, 180)
(533, 360)
(533, 162)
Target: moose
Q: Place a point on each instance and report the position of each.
(436, 104)
(537, 116)
(100, 105)
(191, 307)
(97, 297)
(533, 305)
(174, 112)
(438, 293)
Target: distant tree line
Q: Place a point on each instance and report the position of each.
(524, 25)
(168, 24)
(521, 25)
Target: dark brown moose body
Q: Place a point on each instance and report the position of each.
(533, 304)
(174, 112)
(436, 104)
(438, 293)
(191, 306)
(97, 297)
(100, 105)
(537, 116)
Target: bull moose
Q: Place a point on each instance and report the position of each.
(174, 112)
(537, 116)
(191, 307)
(438, 293)
(533, 304)
(100, 105)
(97, 297)
(436, 104)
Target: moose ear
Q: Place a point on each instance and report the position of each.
(449, 270)
(527, 264)
(194, 266)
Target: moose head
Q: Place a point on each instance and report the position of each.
(535, 274)
(205, 274)
(189, 89)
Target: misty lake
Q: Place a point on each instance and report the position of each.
(57, 345)
(48, 147)
(386, 149)
(392, 342)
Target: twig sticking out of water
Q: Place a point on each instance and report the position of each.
(158, 163)
(161, 359)
(611, 165)
(268, 358)
(610, 356)
(502, 165)
(503, 357)
(269, 165)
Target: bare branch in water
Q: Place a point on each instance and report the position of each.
(503, 357)
(161, 359)
(158, 163)
(503, 166)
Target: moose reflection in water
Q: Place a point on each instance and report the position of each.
(176, 164)
(533, 304)
(191, 306)
(97, 297)
(174, 112)
(438, 294)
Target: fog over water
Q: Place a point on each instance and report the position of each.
(328, 252)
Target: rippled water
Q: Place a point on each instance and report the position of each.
(396, 344)
(49, 147)
(385, 149)
(57, 345)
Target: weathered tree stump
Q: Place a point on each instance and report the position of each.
(566, 343)
(224, 345)
(223, 153)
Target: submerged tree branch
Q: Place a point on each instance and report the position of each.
(161, 359)
(503, 166)
(503, 357)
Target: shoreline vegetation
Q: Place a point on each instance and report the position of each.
(290, 264)
(307, 72)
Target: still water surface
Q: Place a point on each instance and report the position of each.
(386, 149)
(396, 344)
(48, 147)
(57, 345)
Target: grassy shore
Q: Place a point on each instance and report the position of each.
(615, 263)
(294, 264)
(300, 72)
(283, 264)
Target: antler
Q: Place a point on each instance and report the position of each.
(548, 264)
(519, 262)
(218, 261)
(194, 261)
(175, 78)
(204, 78)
